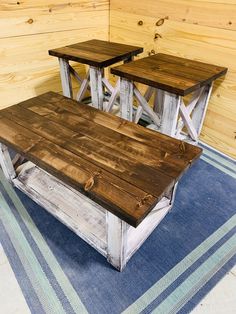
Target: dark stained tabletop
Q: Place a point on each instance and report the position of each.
(124, 167)
(173, 74)
(96, 53)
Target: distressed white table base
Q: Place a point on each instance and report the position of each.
(170, 115)
(108, 234)
(94, 81)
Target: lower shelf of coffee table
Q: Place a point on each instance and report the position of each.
(82, 215)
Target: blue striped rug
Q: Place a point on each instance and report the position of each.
(177, 266)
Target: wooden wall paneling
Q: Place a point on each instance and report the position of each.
(29, 29)
(190, 40)
(213, 13)
(36, 23)
(27, 70)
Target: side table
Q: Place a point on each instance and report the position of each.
(98, 54)
(169, 78)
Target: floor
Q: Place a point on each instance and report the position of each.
(221, 300)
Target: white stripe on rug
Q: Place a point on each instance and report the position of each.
(33, 269)
(186, 290)
(152, 293)
(52, 262)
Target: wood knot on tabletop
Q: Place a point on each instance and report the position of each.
(144, 200)
(90, 182)
(182, 147)
(140, 23)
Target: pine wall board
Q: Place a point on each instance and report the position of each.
(29, 28)
(200, 30)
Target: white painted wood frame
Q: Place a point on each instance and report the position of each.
(96, 76)
(169, 109)
(65, 77)
(192, 115)
(6, 163)
(83, 88)
(109, 235)
(126, 99)
(145, 106)
(200, 109)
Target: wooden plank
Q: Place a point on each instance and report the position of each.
(79, 213)
(126, 99)
(141, 135)
(170, 73)
(165, 153)
(21, 18)
(97, 95)
(6, 163)
(170, 113)
(128, 168)
(116, 241)
(117, 196)
(26, 67)
(137, 236)
(213, 13)
(96, 53)
(65, 78)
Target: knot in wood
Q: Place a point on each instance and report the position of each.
(30, 21)
(157, 36)
(140, 23)
(182, 147)
(160, 22)
(144, 200)
(90, 182)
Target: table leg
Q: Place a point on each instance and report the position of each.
(199, 111)
(97, 95)
(126, 99)
(65, 78)
(169, 111)
(116, 241)
(6, 163)
(113, 97)
(83, 88)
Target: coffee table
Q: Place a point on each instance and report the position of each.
(109, 180)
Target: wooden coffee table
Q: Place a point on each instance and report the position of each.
(109, 180)
(169, 78)
(98, 54)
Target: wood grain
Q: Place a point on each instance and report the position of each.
(30, 17)
(115, 178)
(96, 53)
(176, 75)
(213, 13)
(29, 70)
